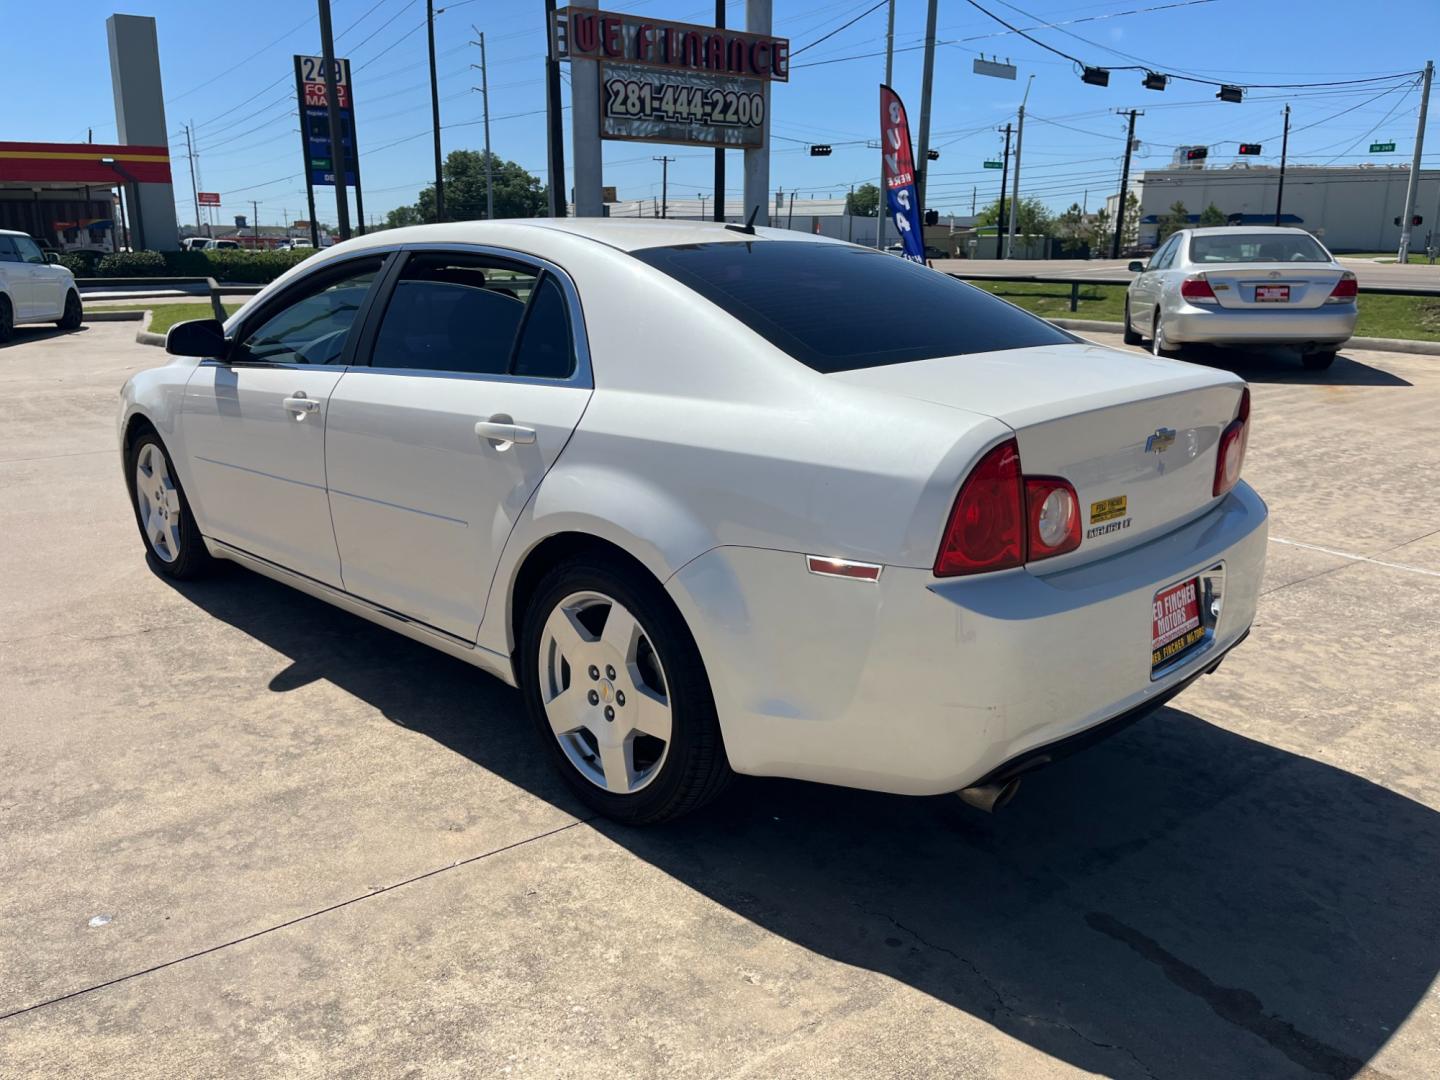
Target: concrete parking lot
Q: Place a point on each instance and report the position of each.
(243, 833)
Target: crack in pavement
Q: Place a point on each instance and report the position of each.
(292, 922)
(1003, 1004)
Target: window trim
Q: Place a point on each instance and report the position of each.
(582, 376)
(253, 320)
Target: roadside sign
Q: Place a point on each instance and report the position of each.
(208, 198)
(315, 119)
(992, 165)
(609, 194)
(993, 68)
(1382, 148)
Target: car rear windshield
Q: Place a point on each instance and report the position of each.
(1256, 248)
(836, 307)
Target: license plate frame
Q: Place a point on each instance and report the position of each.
(1177, 625)
(1272, 294)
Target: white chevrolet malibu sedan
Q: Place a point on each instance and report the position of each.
(716, 500)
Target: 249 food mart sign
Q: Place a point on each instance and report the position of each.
(674, 82)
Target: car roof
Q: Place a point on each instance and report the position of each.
(1250, 229)
(14, 232)
(630, 234)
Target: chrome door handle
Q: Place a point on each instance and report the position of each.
(501, 434)
(300, 405)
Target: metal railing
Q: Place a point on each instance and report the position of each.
(212, 288)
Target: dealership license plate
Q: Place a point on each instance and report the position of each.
(1272, 294)
(1176, 624)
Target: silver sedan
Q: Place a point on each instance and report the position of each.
(1242, 286)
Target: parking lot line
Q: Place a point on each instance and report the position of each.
(1356, 558)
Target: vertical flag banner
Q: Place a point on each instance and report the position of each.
(900, 193)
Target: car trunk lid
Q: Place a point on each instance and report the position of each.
(1136, 435)
(1271, 286)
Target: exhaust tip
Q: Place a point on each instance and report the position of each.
(990, 797)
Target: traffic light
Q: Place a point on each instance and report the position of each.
(1095, 76)
(932, 155)
(1230, 93)
(932, 217)
(1155, 81)
(1415, 219)
(1197, 153)
(821, 150)
(1249, 148)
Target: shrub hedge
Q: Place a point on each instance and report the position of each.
(238, 266)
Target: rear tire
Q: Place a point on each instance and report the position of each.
(7, 319)
(172, 539)
(1129, 334)
(1317, 361)
(595, 689)
(1158, 345)
(74, 314)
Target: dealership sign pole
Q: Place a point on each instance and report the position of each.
(660, 81)
(900, 194)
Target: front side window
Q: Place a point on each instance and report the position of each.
(314, 328)
(1256, 248)
(7, 250)
(29, 250)
(836, 307)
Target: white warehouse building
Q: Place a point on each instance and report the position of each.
(1351, 209)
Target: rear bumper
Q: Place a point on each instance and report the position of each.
(1193, 324)
(920, 686)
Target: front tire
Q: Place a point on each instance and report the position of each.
(172, 539)
(1317, 361)
(1129, 334)
(7, 320)
(615, 686)
(74, 314)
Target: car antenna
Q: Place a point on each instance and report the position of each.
(749, 227)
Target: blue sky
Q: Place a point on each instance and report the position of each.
(227, 67)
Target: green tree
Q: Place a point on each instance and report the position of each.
(1032, 219)
(864, 201)
(1172, 221)
(1099, 232)
(1071, 221)
(403, 215)
(518, 194)
(1131, 236)
(1210, 217)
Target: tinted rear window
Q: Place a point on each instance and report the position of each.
(837, 307)
(1255, 248)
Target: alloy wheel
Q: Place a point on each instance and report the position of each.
(604, 691)
(158, 500)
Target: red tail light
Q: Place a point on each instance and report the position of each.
(1346, 289)
(1052, 512)
(986, 530)
(1196, 289)
(1230, 455)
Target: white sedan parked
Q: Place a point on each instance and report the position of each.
(32, 288)
(1242, 286)
(716, 500)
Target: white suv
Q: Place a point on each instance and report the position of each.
(33, 289)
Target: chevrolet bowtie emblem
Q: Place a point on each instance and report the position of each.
(1162, 440)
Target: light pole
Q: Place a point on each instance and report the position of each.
(701, 197)
(1015, 191)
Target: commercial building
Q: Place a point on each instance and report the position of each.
(1351, 208)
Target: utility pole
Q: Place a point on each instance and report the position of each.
(1284, 149)
(701, 197)
(435, 111)
(1015, 191)
(255, 222)
(882, 204)
(974, 193)
(927, 79)
(1000, 226)
(664, 184)
(554, 127)
(485, 93)
(719, 150)
(1403, 255)
(790, 216)
(194, 189)
(1124, 185)
(338, 158)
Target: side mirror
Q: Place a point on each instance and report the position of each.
(198, 337)
(1136, 268)
(51, 257)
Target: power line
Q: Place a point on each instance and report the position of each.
(844, 26)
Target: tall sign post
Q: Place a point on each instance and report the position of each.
(322, 163)
(901, 200)
(666, 82)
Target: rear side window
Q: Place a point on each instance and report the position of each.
(546, 350)
(1256, 248)
(835, 307)
(453, 313)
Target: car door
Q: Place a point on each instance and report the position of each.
(477, 376)
(253, 425)
(47, 283)
(1148, 284)
(16, 277)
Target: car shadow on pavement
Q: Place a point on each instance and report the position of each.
(1177, 901)
(38, 332)
(1283, 366)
